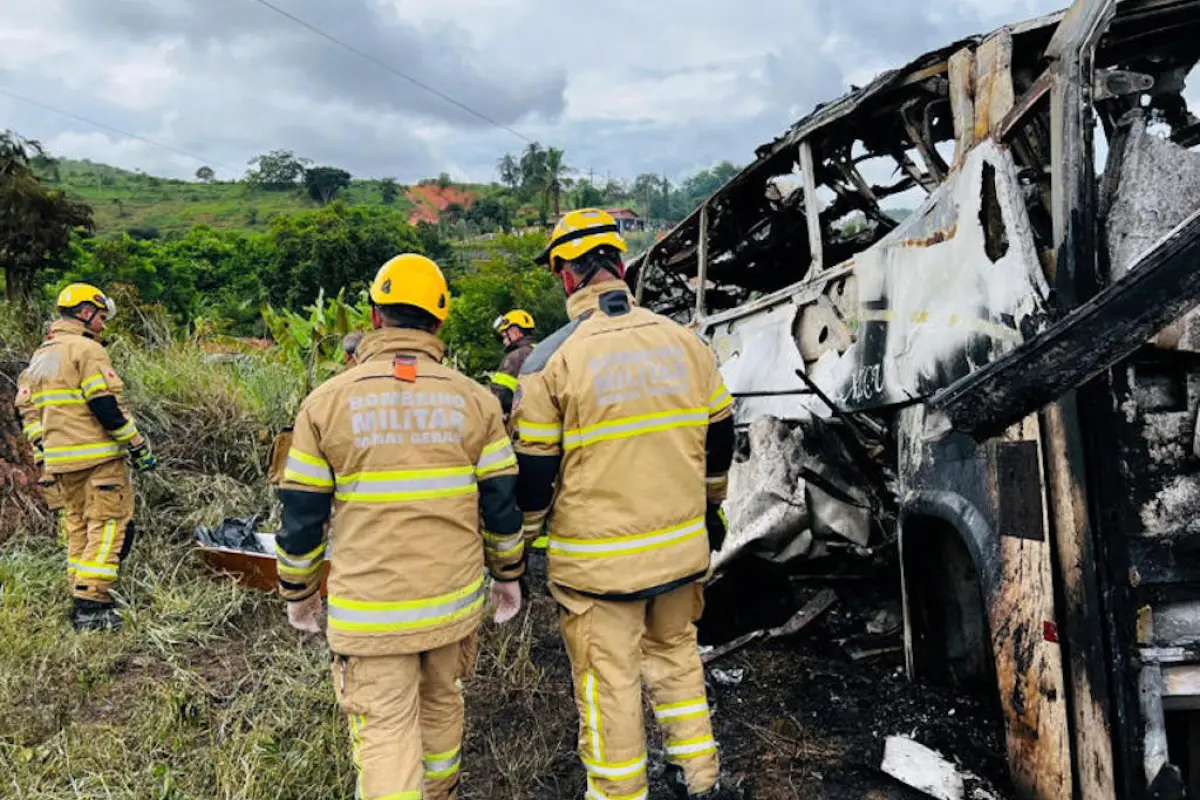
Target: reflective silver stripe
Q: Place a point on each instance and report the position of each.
(92, 385)
(504, 545)
(442, 765)
(538, 432)
(307, 473)
(34, 430)
(692, 747)
(300, 565)
(58, 397)
(382, 487)
(62, 455)
(405, 615)
(634, 426)
(594, 793)
(625, 545)
(616, 772)
(125, 432)
(94, 570)
(690, 708)
(497, 459)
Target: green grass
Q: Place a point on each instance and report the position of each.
(122, 200)
(207, 694)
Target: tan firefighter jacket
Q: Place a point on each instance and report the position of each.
(69, 399)
(623, 397)
(415, 459)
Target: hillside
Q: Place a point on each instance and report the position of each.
(124, 200)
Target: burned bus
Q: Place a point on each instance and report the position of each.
(1003, 382)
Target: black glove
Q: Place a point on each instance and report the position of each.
(714, 520)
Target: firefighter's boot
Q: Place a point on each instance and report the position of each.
(91, 615)
(677, 783)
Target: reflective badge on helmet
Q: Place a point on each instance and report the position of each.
(405, 368)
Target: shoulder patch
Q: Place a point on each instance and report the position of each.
(540, 356)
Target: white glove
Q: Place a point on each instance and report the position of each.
(307, 615)
(506, 597)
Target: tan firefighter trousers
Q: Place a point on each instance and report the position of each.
(97, 518)
(406, 720)
(613, 645)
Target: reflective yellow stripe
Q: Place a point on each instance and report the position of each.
(125, 432)
(504, 546)
(93, 385)
(299, 566)
(505, 380)
(405, 615)
(496, 456)
(442, 765)
(400, 796)
(33, 430)
(686, 709)
(616, 772)
(94, 569)
(592, 705)
(406, 485)
(690, 748)
(627, 545)
(626, 427)
(58, 397)
(720, 400)
(307, 470)
(594, 793)
(538, 431)
(110, 533)
(83, 452)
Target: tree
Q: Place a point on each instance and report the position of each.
(555, 172)
(510, 171)
(35, 223)
(323, 183)
(332, 247)
(588, 195)
(443, 180)
(278, 169)
(205, 174)
(388, 190)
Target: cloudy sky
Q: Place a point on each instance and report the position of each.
(624, 86)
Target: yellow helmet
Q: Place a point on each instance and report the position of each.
(414, 280)
(578, 232)
(522, 319)
(77, 294)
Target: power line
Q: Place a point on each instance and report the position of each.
(111, 129)
(389, 68)
(400, 74)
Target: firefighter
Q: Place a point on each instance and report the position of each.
(69, 399)
(350, 344)
(515, 330)
(628, 411)
(415, 457)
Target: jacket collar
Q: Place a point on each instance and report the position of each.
(588, 298)
(524, 341)
(386, 342)
(68, 326)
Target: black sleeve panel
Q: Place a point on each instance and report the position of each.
(719, 446)
(304, 516)
(505, 395)
(109, 414)
(535, 480)
(498, 505)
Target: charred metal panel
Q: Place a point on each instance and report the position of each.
(974, 487)
(936, 300)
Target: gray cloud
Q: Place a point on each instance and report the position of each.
(624, 88)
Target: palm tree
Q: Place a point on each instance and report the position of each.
(510, 171)
(555, 177)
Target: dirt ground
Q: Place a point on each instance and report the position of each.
(805, 721)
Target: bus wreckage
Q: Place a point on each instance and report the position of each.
(1003, 385)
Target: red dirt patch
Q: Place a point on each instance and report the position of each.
(429, 200)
